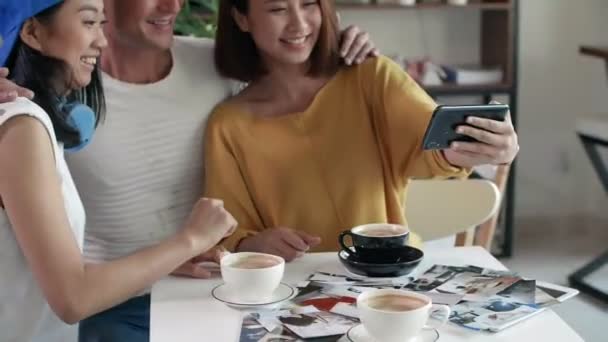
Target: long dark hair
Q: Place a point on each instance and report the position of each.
(237, 57)
(41, 74)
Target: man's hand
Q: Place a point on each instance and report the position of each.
(284, 242)
(497, 143)
(9, 91)
(193, 269)
(356, 46)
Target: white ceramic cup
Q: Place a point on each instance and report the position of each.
(251, 284)
(398, 326)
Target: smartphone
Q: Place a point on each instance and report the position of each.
(441, 131)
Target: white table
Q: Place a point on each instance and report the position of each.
(183, 309)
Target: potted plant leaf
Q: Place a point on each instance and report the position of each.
(197, 18)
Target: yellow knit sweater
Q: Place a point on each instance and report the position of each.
(344, 161)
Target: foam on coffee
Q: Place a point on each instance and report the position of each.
(381, 231)
(395, 303)
(255, 261)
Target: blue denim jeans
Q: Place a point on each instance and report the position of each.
(129, 321)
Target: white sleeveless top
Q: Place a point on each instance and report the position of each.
(24, 312)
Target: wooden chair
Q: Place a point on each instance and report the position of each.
(484, 234)
(440, 208)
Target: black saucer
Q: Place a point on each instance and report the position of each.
(411, 258)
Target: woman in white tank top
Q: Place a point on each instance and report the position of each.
(52, 47)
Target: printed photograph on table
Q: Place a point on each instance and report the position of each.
(523, 291)
(289, 325)
(473, 282)
(435, 277)
(496, 314)
(318, 324)
(253, 331)
(338, 299)
(481, 299)
(477, 287)
(491, 300)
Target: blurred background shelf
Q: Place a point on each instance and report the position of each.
(475, 89)
(498, 41)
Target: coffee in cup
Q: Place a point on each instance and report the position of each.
(380, 230)
(376, 242)
(255, 261)
(395, 303)
(391, 315)
(252, 277)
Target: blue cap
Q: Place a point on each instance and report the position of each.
(13, 13)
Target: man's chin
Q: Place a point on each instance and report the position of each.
(165, 44)
(159, 42)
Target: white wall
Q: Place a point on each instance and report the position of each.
(445, 35)
(557, 86)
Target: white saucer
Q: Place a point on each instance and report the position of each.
(281, 294)
(359, 334)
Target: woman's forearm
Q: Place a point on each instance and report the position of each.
(102, 286)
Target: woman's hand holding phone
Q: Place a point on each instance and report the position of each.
(496, 142)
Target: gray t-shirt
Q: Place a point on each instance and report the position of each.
(143, 170)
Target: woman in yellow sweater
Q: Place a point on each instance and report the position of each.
(312, 147)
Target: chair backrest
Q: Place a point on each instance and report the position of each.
(439, 208)
(484, 234)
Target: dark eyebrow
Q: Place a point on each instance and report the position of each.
(271, 1)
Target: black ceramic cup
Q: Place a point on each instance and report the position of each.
(377, 242)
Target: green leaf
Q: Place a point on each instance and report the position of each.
(198, 18)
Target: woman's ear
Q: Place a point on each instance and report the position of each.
(240, 20)
(31, 34)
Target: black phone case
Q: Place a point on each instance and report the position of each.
(441, 131)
